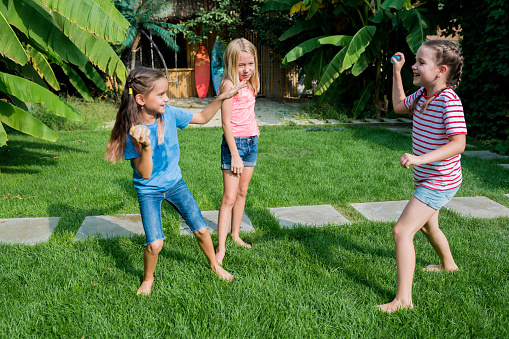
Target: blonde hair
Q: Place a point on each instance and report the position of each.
(140, 81)
(231, 58)
(446, 53)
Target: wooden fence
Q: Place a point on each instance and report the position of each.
(275, 81)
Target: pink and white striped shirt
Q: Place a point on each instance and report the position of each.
(443, 117)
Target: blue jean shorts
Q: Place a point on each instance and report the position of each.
(433, 198)
(180, 198)
(248, 151)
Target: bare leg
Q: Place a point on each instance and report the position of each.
(150, 256)
(439, 242)
(231, 184)
(238, 207)
(206, 245)
(414, 216)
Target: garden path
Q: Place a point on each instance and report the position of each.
(268, 112)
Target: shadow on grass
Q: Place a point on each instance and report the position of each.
(18, 156)
(323, 243)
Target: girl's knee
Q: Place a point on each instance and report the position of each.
(229, 199)
(203, 232)
(155, 247)
(400, 231)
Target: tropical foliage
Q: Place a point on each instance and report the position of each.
(40, 38)
(344, 46)
(147, 16)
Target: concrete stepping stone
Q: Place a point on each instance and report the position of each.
(27, 230)
(477, 207)
(400, 129)
(109, 226)
(485, 154)
(507, 195)
(211, 219)
(504, 165)
(381, 211)
(317, 215)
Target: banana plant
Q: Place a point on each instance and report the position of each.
(345, 45)
(39, 36)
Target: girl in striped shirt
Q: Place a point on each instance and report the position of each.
(438, 138)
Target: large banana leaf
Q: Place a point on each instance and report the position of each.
(9, 43)
(416, 26)
(77, 82)
(346, 57)
(301, 49)
(38, 25)
(96, 49)
(28, 91)
(43, 67)
(24, 122)
(298, 28)
(97, 16)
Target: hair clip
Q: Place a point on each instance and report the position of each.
(130, 90)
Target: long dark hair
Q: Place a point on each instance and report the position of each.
(446, 53)
(140, 81)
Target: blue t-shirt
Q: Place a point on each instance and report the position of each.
(165, 157)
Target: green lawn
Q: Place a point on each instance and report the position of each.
(320, 282)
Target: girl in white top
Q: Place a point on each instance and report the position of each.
(438, 138)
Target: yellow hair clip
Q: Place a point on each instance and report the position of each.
(130, 90)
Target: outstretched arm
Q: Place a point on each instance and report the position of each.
(398, 92)
(204, 116)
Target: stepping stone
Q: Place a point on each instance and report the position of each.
(211, 219)
(391, 121)
(373, 121)
(477, 207)
(26, 230)
(317, 215)
(333, 121)
(485, 154)
(405, 120)
(381, 211)
(504, 165)
(507, 195)
(400, 129)
(109, 226)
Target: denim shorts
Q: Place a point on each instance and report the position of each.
(433, 198)
(248, 150)
(180, 198)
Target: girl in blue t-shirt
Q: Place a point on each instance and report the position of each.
(145, 132)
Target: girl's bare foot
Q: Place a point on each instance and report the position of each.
(241, 242)
(394, 306)
(439, 268)
(145, 288)
(220, 257)
(221, 272)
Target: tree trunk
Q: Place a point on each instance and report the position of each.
(134, 49)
